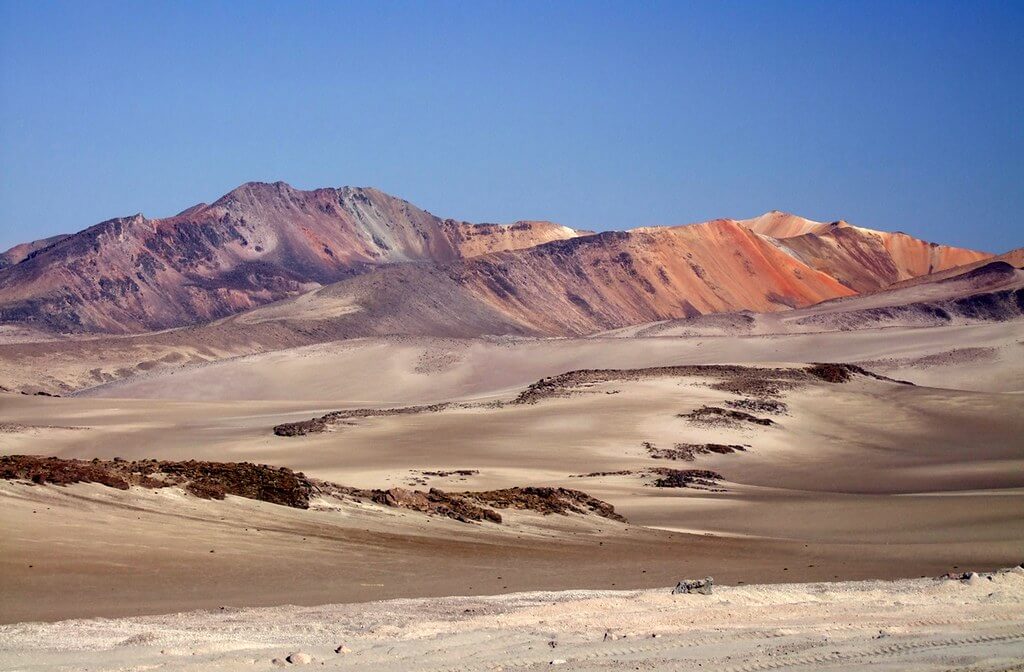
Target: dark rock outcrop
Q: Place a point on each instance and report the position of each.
(702, 586)
(683, 478)
(280, 485)
(715, 415)
(207, 480)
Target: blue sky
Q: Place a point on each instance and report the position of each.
(893, 115)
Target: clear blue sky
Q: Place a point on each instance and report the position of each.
(893, 115)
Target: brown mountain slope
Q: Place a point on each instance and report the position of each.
(20, 252)
(561, 288)
(259, 243)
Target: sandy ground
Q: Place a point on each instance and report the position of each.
(866, 479)
(383, 371)
(86, 550)
(863, 480)
(402, 370)
(920, 625)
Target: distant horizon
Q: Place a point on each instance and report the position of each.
(596, 116)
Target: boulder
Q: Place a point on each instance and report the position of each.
(702, 586)
(299, 658)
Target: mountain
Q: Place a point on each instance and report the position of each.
(20, 252)
(262, 243)
(589, 287)
(562, 288)
(864, 260)
(991, 290)
(257, 244)
(1014, 258)
(613, 279)
(778, 224)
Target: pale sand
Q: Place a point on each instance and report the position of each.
(863, 480)
(407, 370)
(866, 479)
(921, 625)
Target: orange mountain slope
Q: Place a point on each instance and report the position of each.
(862, 259)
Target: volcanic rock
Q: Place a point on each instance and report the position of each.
(702, 586)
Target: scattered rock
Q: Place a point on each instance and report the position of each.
(277, 662)
(702, 586)
(972, 577)
(436, 502)
(547, 501)
(771, 406)
(714, 415)
(841, 373)
(479, 506)
(689, 451)
(342, 649)
(452, 472)
(317, 425)
(280, 485)
(685, 478)
(299, 658)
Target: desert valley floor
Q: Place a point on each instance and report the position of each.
(870, 478)
(851, 480)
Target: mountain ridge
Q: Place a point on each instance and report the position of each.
(258, 243)
(264, 242)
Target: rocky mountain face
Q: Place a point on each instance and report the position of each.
(613, 279)
(568, 287)
(19, 253)
(257, 244)
(403, 270)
